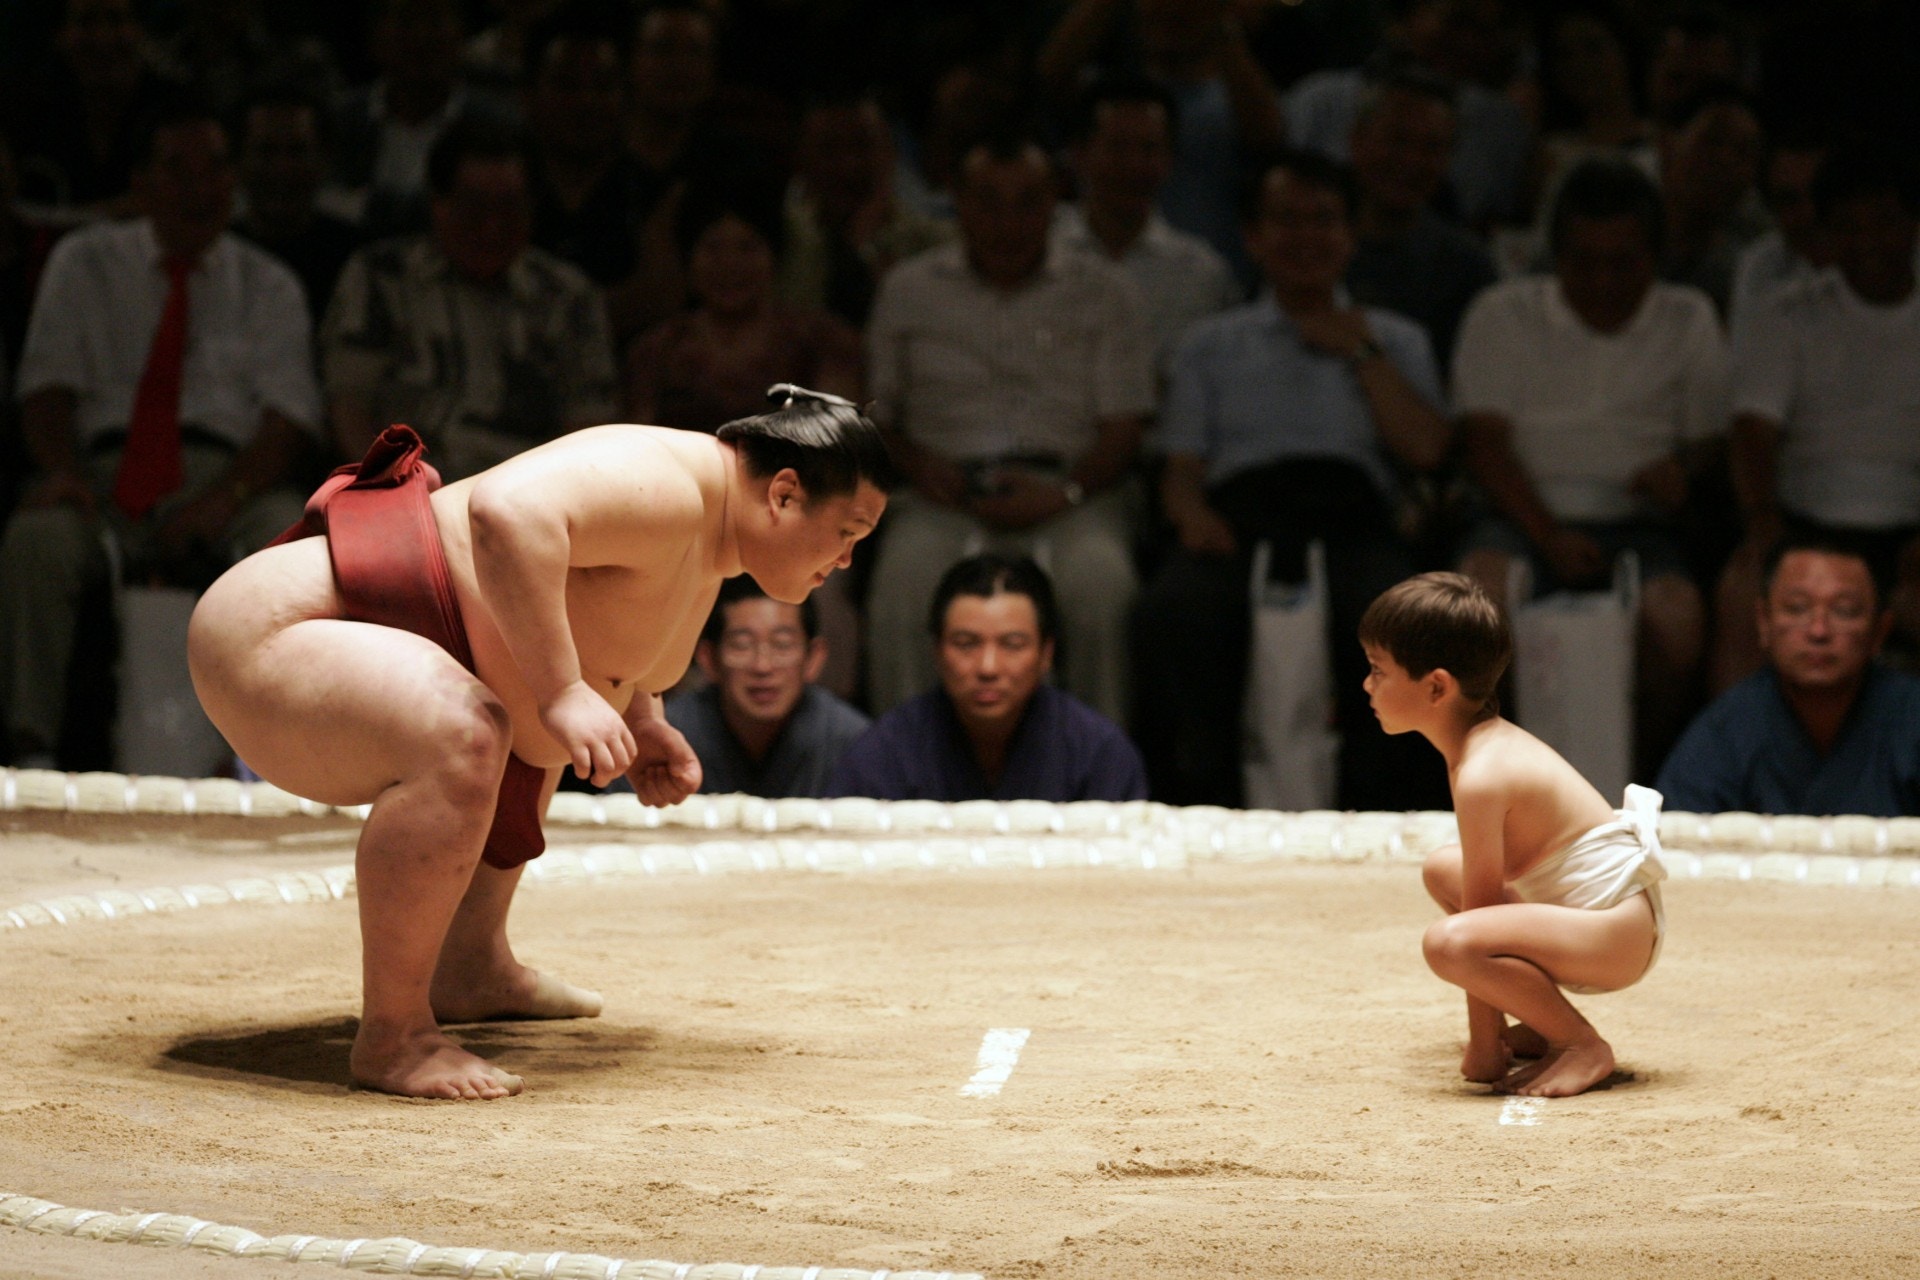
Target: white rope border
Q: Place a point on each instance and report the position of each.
(25, 790)
(397, 1255)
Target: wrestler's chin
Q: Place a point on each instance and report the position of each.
(786, 592)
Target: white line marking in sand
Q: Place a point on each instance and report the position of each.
(999, 1051)
(1522, 1110)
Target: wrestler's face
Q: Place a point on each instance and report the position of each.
(1401, 702)
(1821, 623)
(763, 660)
(808, 539)
(992, 657)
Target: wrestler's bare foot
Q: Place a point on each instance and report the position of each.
(426, 1065)
(507, 993)
(1565, 1071)
(1524, 1041)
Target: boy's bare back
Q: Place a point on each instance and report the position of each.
(1542, 801)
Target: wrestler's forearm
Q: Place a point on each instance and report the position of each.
(520, 557)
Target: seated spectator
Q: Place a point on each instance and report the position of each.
(1589, 97)
(1697, 47)
(1493, 140)
(714, 363)
(166, 397)
(994, 729)
(1013, 380)
(1826, 401)
(1795, 249)
(1227, 109)
(1122, 150)
(589, 195)
(483, 344)
(763, 727)
(228, 51)
(283, 161)
(76, 122)
(673, 132)
(383, 132)
(1588, 399)
(1407, 258)
(1822, 728)
(845, 224)
(1285, 421)
(1709, 171)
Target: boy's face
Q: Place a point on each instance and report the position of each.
(1397, 698)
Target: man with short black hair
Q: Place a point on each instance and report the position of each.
(763, 727)
(994, 729)
(482, 343)
(283, 161)
(166, 394)
(1823, 728)
(1014, 378)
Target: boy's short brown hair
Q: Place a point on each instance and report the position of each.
(1443, 621)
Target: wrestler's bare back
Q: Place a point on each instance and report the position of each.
(635, 611)
(1544, 802)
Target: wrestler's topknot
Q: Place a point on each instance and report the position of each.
(830, 444)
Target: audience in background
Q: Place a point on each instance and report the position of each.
(283, 161)
(713, 362)
(383, 132)
(1795, 247)
(483, 344)
(166, 399)
(1822, 727)
(1407, 259)
(845, 224)
(1589, 97)
(1014, 379)
(1493, 140)
(76, 119)
(994, 729)
(1286, 421)
(1826, 401)
(1226, 108)
(1709, 171)
(763, 727)
(1588, 400)
(589, 195)
(1018, 381)
(1121, 151)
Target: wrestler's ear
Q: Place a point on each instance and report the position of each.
(1439, 684)
(785, 490)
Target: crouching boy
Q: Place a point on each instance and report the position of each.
(1549, 886)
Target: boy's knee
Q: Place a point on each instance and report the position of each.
(1447, 946)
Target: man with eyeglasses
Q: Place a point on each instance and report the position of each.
(763, 727)
(1821, 729)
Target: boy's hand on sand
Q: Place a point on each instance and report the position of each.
(1485, 1064)
(591, 731)
(665, 771)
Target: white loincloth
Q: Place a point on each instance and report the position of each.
(1605, 867)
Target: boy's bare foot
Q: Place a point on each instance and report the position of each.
(510, 993)
(1565, 1071)
(426, 1066)
(1524, 1041)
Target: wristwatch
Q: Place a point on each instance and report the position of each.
(1364, 350)
(1074, 492)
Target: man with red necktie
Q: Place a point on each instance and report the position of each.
(167, 396)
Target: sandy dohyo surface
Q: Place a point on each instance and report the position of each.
(1232, 1071)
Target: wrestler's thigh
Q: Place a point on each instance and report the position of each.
(338, 711)
(1606, 949)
